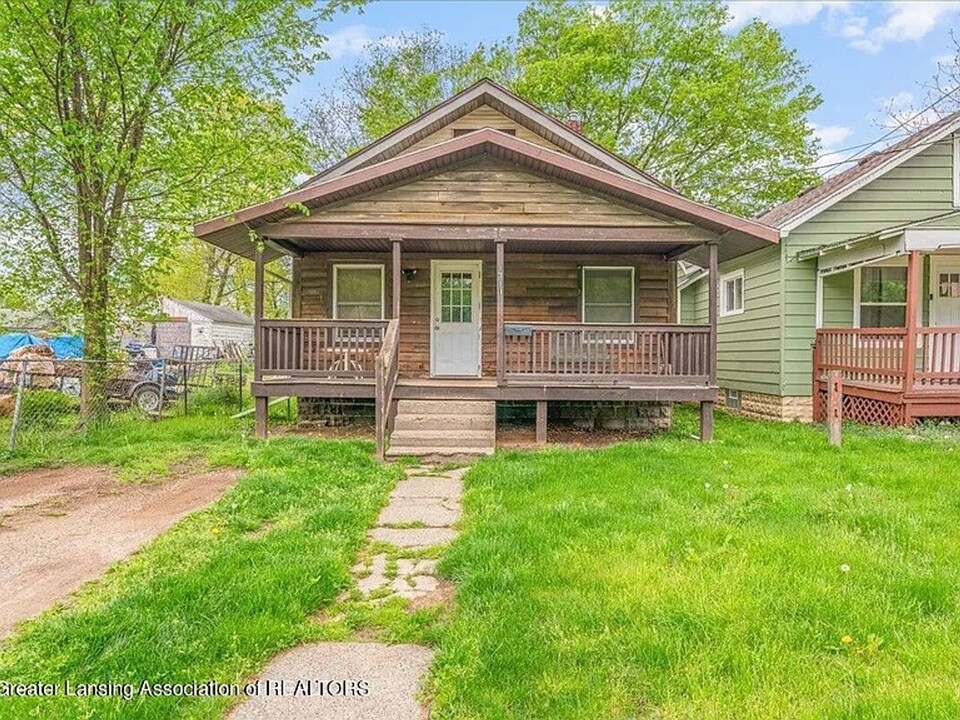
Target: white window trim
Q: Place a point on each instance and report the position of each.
(360, 266)
(724, 279)
(858, 284)
(583, 291)
(956, 170)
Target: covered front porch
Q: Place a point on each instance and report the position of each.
(515, 314)
(888, 321)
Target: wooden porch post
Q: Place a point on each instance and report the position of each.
(914, 288)
(396, 277)
(706, 408)
(541, 422)
(500, 293)
(260, 403)
(295, 275)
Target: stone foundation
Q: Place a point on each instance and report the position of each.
(335, 412)
(771, 407)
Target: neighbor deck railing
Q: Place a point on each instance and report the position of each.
(876, 357)
(596, 353)
(319, 348)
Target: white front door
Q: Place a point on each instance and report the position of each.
(943, 351)
(455, 298)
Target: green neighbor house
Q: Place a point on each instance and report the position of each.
(865, 281)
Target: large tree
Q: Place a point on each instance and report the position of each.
(111, 112)
(720, 114)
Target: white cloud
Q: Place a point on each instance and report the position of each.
(831, 135)
(904, 22)
(348, 41)
(831, 138)
(779, 14)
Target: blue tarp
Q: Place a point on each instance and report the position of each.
(63, 346)
(12, 341)
(67, 346)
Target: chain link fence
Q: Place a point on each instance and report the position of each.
(42, 398)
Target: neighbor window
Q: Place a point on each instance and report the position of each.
(358, 292)
(607, 294)
(883, 297)
(731, 293)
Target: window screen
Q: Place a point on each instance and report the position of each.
(358, 292)
(883, 297)
(607, 295)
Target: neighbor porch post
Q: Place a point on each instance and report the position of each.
(501, 350)
(396, 278)
(706, 407)
(914, 288)
(260, 403)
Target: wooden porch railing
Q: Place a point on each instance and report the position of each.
(581, 352)
(387, 373)
(876, 357)
(319, 348)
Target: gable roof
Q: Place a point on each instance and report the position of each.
(485, 92)
(815, 200)
(215, 313)
(231, 232)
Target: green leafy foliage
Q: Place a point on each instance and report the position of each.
(721, 115)
(120, 122)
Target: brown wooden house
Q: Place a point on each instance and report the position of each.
(483, 252)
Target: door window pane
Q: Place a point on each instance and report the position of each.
(456, 297)
(949, 285)
(359, 292)
(607, 295)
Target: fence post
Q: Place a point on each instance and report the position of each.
(18, 404)
(163, 387)
(240, 384)
(834, 407)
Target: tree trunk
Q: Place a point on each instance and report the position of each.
(97, 327)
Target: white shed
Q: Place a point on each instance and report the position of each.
(211, 325)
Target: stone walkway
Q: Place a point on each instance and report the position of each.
(373, 681)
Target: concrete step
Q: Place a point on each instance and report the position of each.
(447, 407)
(421, 421)
(430, 454)
(438, 438)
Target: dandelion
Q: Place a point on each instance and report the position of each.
(846, 639)
(844, 568)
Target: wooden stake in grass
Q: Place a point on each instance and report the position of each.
(834, 407)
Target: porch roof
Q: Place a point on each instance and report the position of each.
(280, 220)
(923, 235)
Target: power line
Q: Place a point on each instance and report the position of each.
(889, 134)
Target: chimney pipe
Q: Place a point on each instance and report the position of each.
(574, 122)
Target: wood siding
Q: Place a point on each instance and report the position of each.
(484, 116)
(538, 288)
(485, 193)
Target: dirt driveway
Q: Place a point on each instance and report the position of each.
(60, 528)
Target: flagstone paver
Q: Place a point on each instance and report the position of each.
(422, 513)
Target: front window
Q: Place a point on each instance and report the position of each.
(608, 294)
(883, 297)
(358, 292)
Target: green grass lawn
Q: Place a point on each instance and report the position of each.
(224, 590)
(765, 575)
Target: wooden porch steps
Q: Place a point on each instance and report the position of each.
(444, 428)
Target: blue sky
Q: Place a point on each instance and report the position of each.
(862, 56)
